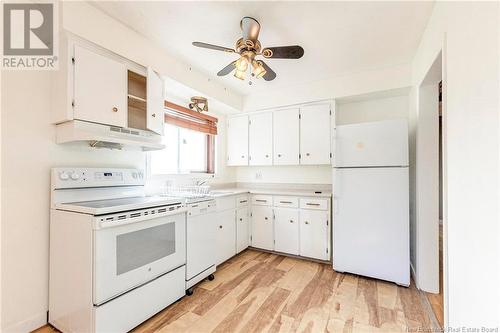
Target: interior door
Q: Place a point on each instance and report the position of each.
(371, 226)
(314, 234)
(286, 137)
(155, 102)
(286, 230)
(242, 232)
(100, 88)
(226, 235)
(261, 139)
(262, 227)
(237, 141)
(315, 134)
(381, 143)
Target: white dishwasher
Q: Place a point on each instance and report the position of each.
(200, 242)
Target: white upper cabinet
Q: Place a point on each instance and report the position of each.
(100, 88)
(155, 102)
(261, 139)
(237, 141)
(286, 137)
(315, 123)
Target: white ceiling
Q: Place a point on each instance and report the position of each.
(338, 37)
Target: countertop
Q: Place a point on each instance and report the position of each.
(299, 193)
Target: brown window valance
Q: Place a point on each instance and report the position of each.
(183, 117)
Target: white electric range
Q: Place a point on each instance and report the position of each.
(117, 256)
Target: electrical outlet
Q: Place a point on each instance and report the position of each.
(258, 175)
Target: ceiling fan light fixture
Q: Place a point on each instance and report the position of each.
(242, 64)
(239, 74)
(258, 70)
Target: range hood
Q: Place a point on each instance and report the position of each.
(105, 136)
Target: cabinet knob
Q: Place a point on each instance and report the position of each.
(291, 221)
(305, 222)
(307, 154)
(279, 155)
(220, 227)
(242, 156)
(153, 115)
(265, 218)
(267, 156)
(241, 219)
(115, 109)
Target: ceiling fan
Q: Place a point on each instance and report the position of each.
(249, 47)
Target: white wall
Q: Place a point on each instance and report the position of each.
(373, 109)
(468, 35)
(28, 152)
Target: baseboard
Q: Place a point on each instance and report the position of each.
(27, 325)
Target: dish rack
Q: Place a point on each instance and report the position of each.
(186, 191)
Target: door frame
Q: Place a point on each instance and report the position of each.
(427, 180)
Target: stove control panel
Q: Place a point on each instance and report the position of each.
(95, 177)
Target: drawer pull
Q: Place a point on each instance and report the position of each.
(312, 204)
(286, 202)
(243, 201)
(260, 200)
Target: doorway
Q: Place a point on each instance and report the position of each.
(430, 180)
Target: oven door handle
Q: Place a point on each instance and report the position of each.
(118, 223)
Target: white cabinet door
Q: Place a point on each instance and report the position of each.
(261, 139)
(286, 137)
(226, 235)
(262, 227)
(242, 229)
(314, 234)
(237, 141)
(286, 230)
(155, 102)
(100, 89)
(315, 134)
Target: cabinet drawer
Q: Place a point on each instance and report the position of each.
(313, 203)
(285, 201)
(242, 200)
(226, 203)
(262, 200)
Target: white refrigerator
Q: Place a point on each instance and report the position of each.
(371, 200)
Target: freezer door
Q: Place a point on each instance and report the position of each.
(371, 223)
(382, 143)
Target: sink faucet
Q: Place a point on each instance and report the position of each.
(200, 182)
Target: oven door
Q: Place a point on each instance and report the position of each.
(134, 251)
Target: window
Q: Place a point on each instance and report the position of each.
(189, 140)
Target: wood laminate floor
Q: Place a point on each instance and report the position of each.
(263, 292)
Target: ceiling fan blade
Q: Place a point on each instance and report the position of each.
(213, 47)
(228, 69)
(250, 28)
(270, 74)
(283, 52)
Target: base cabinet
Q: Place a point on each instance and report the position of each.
(225, 236)
(314, 234)
(262, 227)
(242, 229)
(286, 230)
